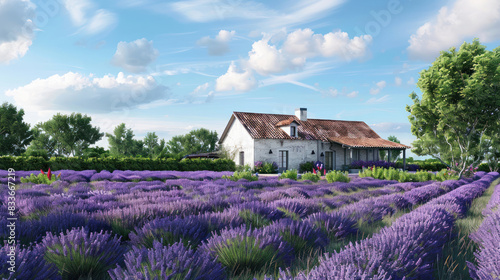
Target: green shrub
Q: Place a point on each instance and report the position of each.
(337, 176)
(289, 174)
(306, 166)
(241, 175)
(243, 168)
(311, 177)
(265, 167)
(114, 163)
(398, 175)
(447, 174)
(40, 179)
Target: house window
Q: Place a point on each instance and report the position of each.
(283, 160)
(293, 131)
(242, 158)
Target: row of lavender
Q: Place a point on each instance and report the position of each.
(62, 205)
(186, 205)
(406, 249)
(488, 238)
(119, 175)
(205, 215)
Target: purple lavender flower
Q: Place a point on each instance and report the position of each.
(301, 235)
(78, 253)
(190, 231)
(244, 249)
(334, 225)
(168, 262)
(29, 264)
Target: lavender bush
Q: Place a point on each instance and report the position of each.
(80, 254)
(174, 262)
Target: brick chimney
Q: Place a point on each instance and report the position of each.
(301, 114)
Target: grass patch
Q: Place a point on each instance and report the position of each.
(451, 265)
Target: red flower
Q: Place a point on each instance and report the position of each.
(49, 174)
(41, 171)
(314, 171)
(324, 172)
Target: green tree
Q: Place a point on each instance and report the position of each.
(196, 141)
(65, 135)
(123, 144)
(96, 152)
(491, 148)
(394, 153)
(152, 147)
(15, 134)
(460, 105)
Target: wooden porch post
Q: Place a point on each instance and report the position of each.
(388, 155)
(345, 156)
(404, 159)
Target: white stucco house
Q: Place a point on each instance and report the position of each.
(290, 140)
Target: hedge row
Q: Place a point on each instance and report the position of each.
(112, 163)
(423, 165)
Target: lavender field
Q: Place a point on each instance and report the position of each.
(196, 225)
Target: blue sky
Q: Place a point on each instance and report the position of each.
(173, 66)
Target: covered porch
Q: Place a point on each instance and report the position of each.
(368, 149)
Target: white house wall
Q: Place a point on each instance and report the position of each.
(239, 140)
(299, 151)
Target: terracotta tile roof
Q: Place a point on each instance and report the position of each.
(286, 122)
(349, 133)
(367, 142)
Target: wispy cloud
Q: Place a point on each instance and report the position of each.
(90, 20)
(375, 100)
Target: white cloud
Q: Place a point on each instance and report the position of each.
(219, 45)
(135, 56)
(332, 92)
(452, 25)
(77, 92)
(379, 86)
(212, 10)
(16, 28)
(353, 94)
(304, 11)
(398, 81)
(391, 127)
(411, 81)
(266, 59)
(300, 45)
(375, 100)
(304, 43)
(237, 80)
(90, 20)
(260, 16)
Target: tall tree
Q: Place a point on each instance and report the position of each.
(15, 134)
(196, 141)
(460, 105)
(151, 144)
(66, 135)
(121, 142)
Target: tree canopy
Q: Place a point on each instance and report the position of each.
(460, 106)
(196, 141)
(122, 142)
(15, 134)
(64, 135)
